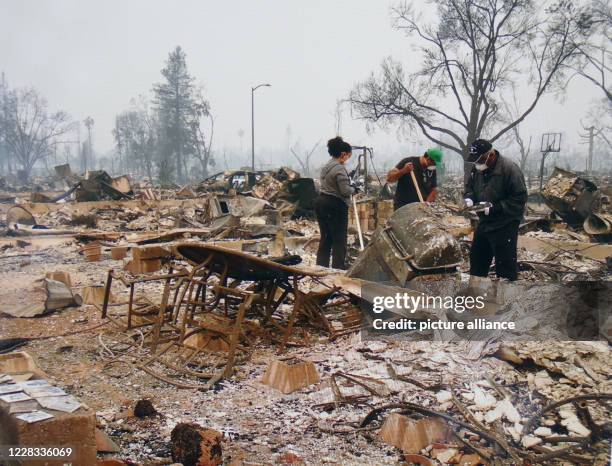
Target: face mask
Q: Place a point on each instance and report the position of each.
(431, 168)
(482, 166)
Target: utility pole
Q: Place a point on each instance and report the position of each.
(590, 161)
(589, 138)
(253, 129)
(89, 121)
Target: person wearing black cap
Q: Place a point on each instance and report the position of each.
(332, 205)
(498, 186)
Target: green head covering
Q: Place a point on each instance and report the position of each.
(435, 155)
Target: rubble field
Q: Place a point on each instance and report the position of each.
(190, 325)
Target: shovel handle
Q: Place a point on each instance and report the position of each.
(416, 185)
(358, 222)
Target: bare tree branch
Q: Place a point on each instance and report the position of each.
(473, 53)
(30, 131)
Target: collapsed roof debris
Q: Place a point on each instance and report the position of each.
(205, 303)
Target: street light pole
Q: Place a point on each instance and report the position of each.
(253, 129)
(253, 89)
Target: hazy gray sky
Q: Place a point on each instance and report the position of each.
(91, 57)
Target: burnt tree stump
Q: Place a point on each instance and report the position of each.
(194, 445)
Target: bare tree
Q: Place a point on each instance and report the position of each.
(136, 138)
(304, 160)
(32, 132)
(338, 117)
(202, 148)
(471, 55)
(511, 113)
(525, 149)
(596, 55)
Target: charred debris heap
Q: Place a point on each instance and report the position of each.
(202, 306)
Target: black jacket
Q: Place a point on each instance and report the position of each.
(504, 187)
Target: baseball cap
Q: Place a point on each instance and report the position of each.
(477, 148)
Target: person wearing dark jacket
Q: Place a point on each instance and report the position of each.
(498, 186)
(332, 205)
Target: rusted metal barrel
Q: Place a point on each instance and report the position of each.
(414, 241)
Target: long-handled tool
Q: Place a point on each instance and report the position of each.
(416, 185)
(358, 222)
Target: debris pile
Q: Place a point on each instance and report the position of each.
(193, 322)
(578, 202)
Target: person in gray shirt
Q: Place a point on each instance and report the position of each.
(332, 205)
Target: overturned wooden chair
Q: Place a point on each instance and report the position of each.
(225, 286)
(139, 310)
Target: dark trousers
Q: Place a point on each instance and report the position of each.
(332, 215)
(501, 244)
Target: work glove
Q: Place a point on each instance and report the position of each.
(487, 209)
(468, 202)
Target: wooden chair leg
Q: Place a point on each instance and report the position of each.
(130, 307)
(161, 317)
(107, 290)
(236, 331)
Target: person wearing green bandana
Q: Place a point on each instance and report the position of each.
(424, 168)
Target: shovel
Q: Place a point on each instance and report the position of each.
(358, 222)
(416, 185)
